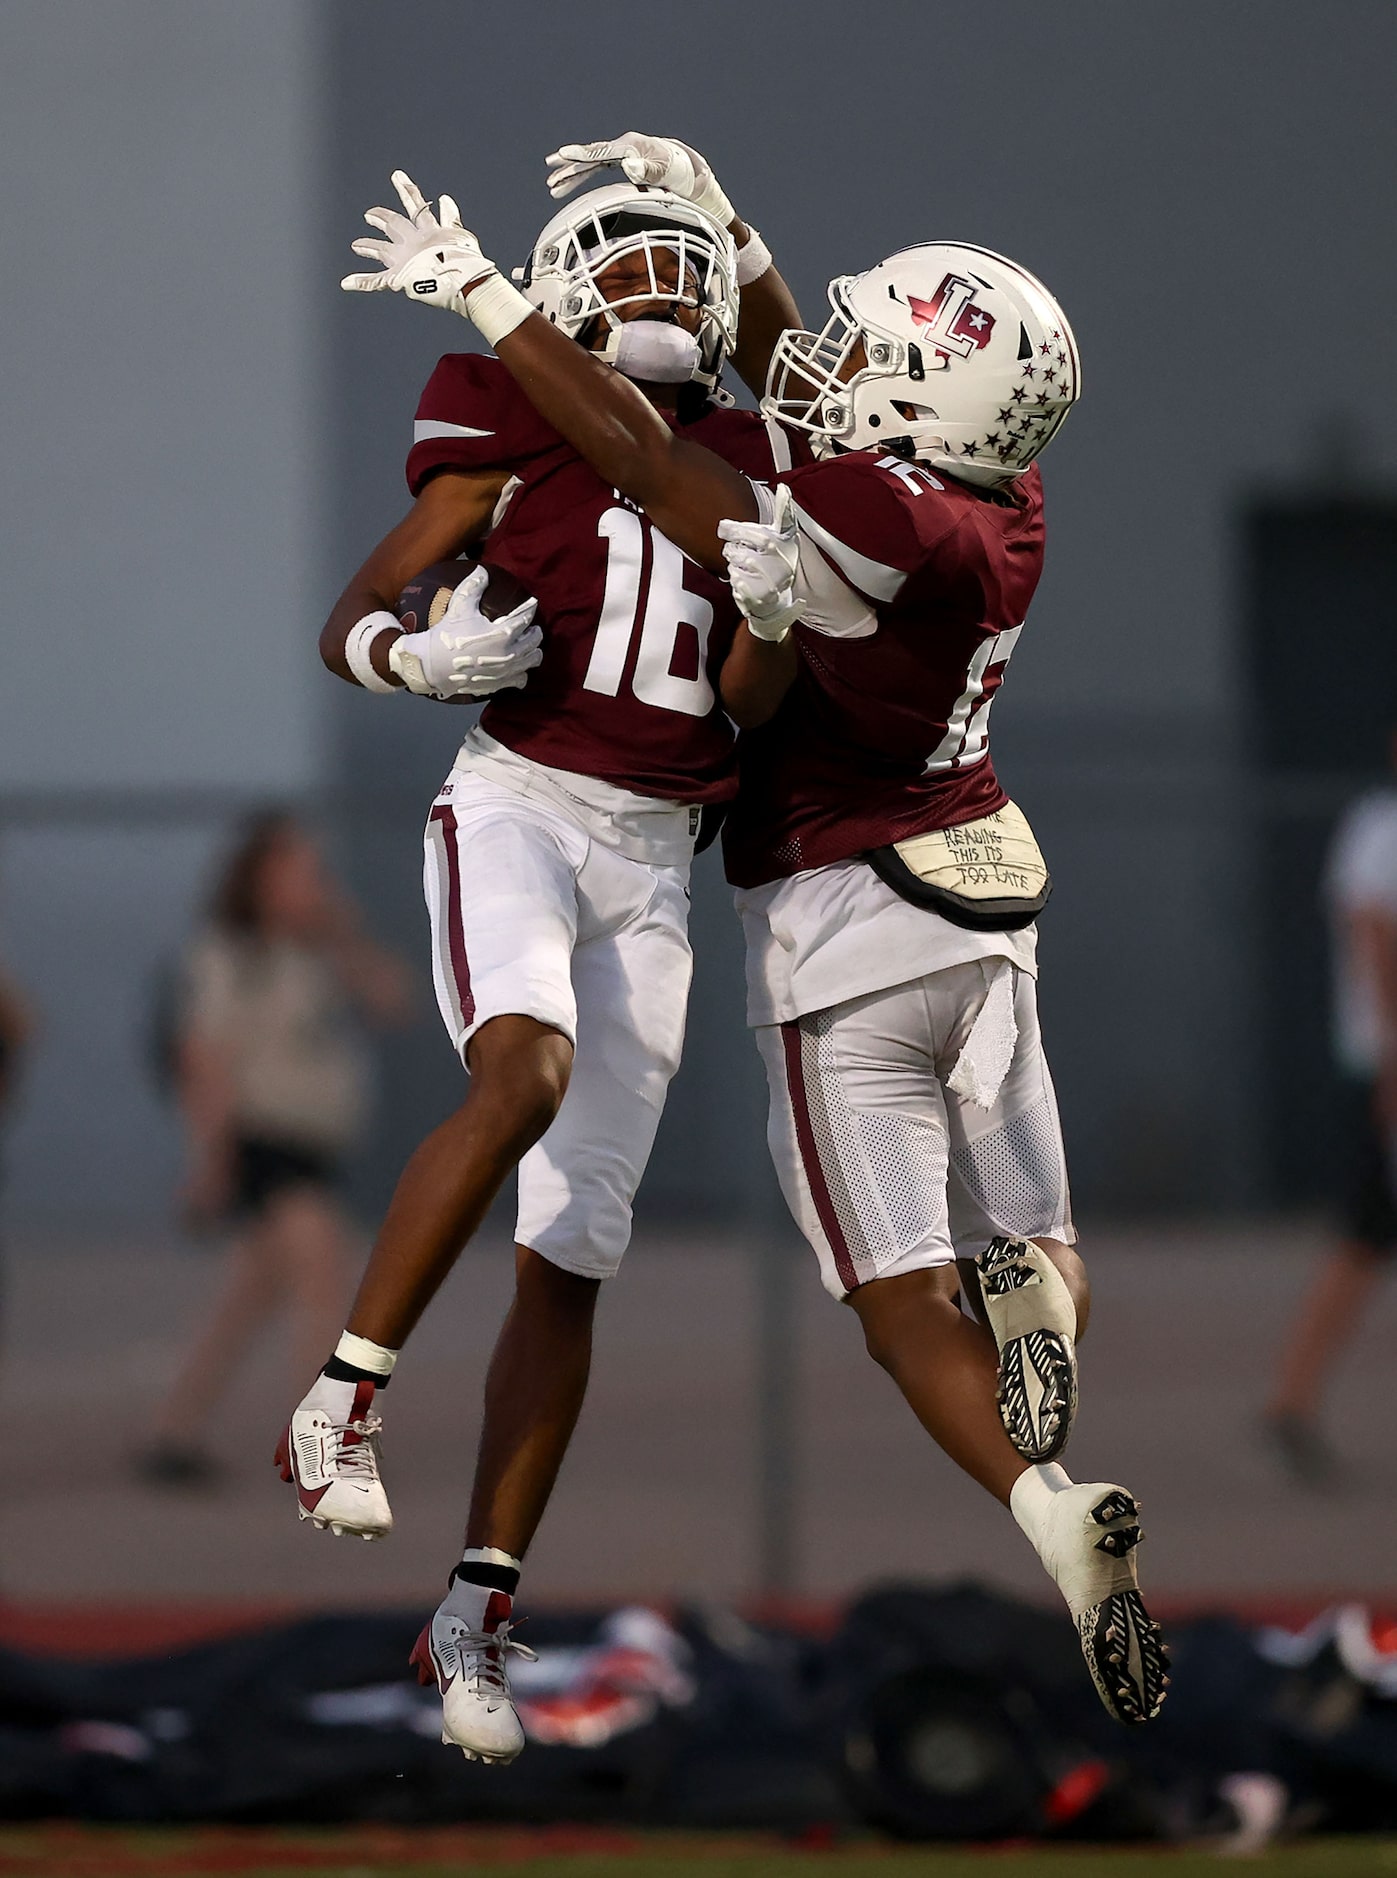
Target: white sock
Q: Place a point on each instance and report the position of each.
(491, 1555)
(470, 1602)
(1031, 1497)
(335, 1395)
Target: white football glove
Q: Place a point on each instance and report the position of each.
(762, 560)
(466, 655)
(430, 258)
(658, 162)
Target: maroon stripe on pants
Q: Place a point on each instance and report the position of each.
(792, 1040)
(456, 936)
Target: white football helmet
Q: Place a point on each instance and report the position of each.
(971, 366)
(624, 219)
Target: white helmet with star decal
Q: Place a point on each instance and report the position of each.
(969, 364)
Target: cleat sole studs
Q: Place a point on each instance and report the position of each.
(1115, 1506)
(1112, 1634)
(1037, 1393)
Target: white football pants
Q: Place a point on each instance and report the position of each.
(532, 917)
(884, 1167)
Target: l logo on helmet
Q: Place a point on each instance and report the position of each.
(952, 319)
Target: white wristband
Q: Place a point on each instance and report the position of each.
(753, 259)
(496, 306)
(358, 642)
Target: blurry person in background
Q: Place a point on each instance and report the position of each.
(16, 1029)
(272, 1080)
(1360, 892)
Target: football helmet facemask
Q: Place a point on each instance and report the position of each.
(625, 220)
(970, 367)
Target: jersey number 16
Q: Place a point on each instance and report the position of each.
(669, 606)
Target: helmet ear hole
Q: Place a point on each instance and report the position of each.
(1025, 343)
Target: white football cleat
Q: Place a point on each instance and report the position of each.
(329, 1452)
(464, 1650)
(1087, 1544)
(1034, 1321)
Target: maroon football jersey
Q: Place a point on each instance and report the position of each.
(885, 732)
(634, 632)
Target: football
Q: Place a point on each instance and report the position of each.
(428, 594)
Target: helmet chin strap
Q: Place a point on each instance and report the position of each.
(654, 351)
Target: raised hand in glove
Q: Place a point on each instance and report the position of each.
(658, 162)
(429, 257)
(466, 655)
(762, 560)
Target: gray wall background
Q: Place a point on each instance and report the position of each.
(162, 490)
(209, 437)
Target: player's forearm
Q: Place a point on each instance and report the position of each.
(756, 676)
(357, 603)
(685, 489)
(598, 411)
(766, 309)
(451, 515)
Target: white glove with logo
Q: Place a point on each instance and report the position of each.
(466, 655)
(658, 162)
(762, 560)
(430, 258)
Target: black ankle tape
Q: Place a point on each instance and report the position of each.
(493, 1577)
(340, 1371)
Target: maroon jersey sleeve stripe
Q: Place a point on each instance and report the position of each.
(472, 416)
(792, 1039)
(456, 935)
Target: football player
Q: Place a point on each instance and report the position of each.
(887, 884)
(557, 853)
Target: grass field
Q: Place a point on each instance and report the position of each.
(63, 1851)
